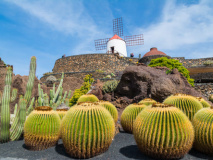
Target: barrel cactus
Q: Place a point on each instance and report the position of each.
(129, 115)
(42, 128)
(203, 126)
(88, 98)
(211, 98)
(91, 131)
(62, 110)
(203, 102)
(111, 108)
(187, 103)
(163, 132)
(147, 101)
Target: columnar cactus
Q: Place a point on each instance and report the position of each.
(203, 126)
(30, 82)
(5, 108)
(163, 132)
(14, 94)
(203, 102)
(42, 128)
(147, 101)
(87, 130)
(129, 115)
(187, 103)
(111, 108)
(88, 98)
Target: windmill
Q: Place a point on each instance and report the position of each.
(116, 44)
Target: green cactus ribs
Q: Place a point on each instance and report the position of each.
(163, 132)
(187, 103)
(91, 131)
(42, 128)
(147, 101)
(88, 98)
(129, 114)
(111, 108)
(203, 126)
(203, 102)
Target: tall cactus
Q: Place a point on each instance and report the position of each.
(18, 124)
(14, 94)
(58, 89)
(91, 131)
(163, 132)
(30, 82)
(5, 108)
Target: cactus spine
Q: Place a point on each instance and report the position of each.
(129, 115)
(5, 108)
(30, 82)
(203, 126)
(111, 108)
(91, 131)
(187, 103)
(42, 128)
(88, 98)
(163, 132)
(147, 101)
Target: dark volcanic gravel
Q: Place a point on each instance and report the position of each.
(123, 147)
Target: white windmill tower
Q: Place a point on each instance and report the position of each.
(116, 44)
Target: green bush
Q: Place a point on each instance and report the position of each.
(110, 86)
(171, 64)
(88, 80)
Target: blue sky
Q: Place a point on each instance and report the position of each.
(48, 29)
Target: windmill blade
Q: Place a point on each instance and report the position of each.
(118, 26)
(101, 44)
(134, 40)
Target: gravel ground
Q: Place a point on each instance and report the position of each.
(122, 148)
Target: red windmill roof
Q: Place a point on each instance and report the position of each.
(154, 51)
(115, 37)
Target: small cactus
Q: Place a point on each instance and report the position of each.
(111, 108)
(42, 128)
(203, 126)
(87, 130)
(187, 103)
(163, 132)
(203, 102)
(147, 101)
(129, 115)
(88, 98)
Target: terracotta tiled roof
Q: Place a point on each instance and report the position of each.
(115, 37)
(154, 51)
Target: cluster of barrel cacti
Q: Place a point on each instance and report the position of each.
(165, 131)
(20, 112)
(56, 96)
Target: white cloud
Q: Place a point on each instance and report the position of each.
(180, 26)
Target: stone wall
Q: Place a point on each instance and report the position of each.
(205, 88)
(192, 62)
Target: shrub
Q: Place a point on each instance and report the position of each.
(171, 64)
(88, 80)
(110, 86)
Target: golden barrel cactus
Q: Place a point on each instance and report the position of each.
(42, 128)
(147, 101)
(163, 132)
(203, 126)
(203, 102)
(187, 103)
(129, 114)
(88, 98)
(111, 108)
(87, 130)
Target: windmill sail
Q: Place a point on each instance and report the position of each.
(134, 40)
(101, 44)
